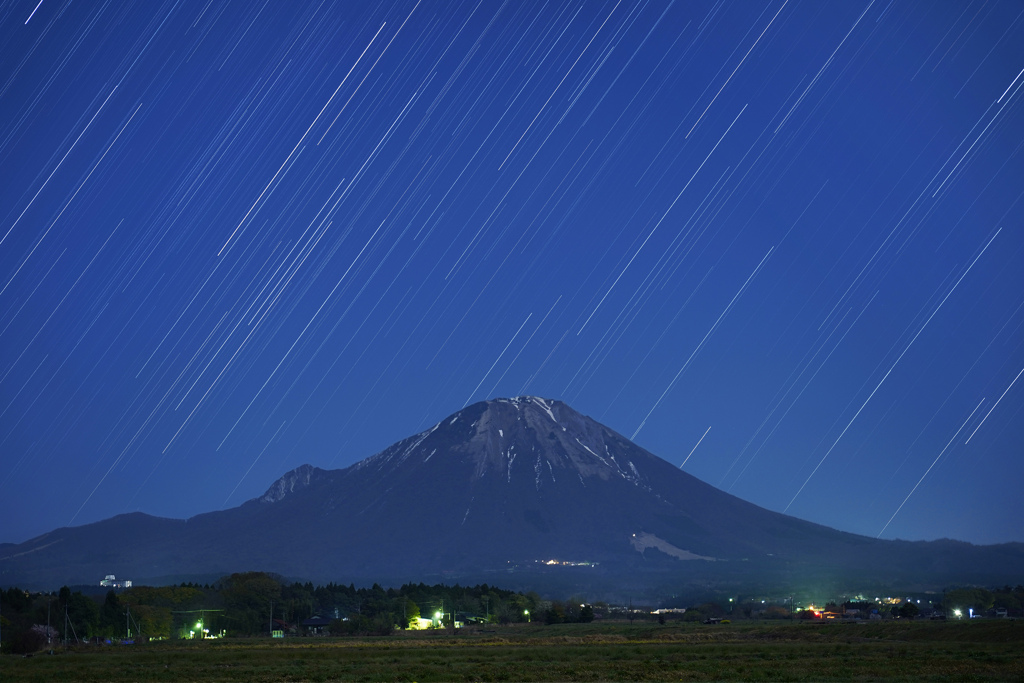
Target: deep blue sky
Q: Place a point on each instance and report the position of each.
(241, 236)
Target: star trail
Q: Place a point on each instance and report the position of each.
(778, 243)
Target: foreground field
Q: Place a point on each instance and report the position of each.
(593, 652)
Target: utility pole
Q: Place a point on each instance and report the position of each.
(271, 618)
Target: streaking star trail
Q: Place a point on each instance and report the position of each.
(240, 237)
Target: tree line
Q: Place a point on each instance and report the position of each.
(249, 604)
(257, 603)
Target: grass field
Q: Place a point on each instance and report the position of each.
(954, 651)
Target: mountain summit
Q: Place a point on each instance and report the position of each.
(514, 490)
(547, 437)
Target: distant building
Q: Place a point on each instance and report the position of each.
(316, 626)
(110, 581)
(422, 623)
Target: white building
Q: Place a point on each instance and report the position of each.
(110, 581)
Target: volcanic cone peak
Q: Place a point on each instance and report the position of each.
(522, 488)
(519, 437)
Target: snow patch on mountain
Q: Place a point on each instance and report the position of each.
(643, 540)
(543, 404)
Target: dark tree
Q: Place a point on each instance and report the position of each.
(586, 614)
(112, 620)
(908, 610)
(555, 614)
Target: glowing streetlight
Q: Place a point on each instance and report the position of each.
(526, 612)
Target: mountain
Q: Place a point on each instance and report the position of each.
(516, 492)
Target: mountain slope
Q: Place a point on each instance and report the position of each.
(501, 486)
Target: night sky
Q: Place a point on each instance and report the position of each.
(778, 244)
